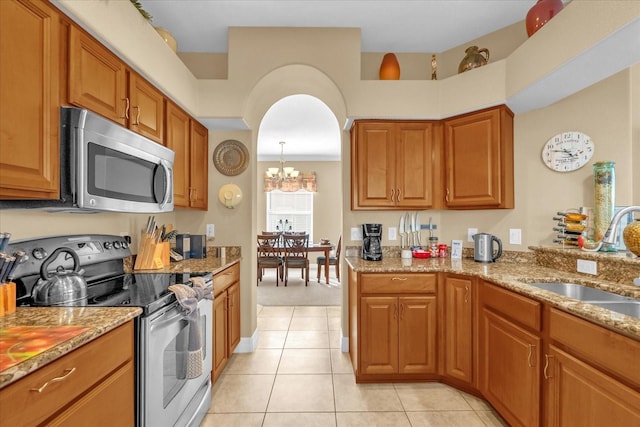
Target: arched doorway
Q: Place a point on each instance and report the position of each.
(309, 131)
(280, 83)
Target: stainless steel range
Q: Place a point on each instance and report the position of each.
(165, 394)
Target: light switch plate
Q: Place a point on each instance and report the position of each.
(392, 233)
(589, 267)
(356, 233)
(515, 236)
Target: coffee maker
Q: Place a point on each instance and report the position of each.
(371, 242)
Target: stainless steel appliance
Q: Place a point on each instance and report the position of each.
(483, 247)
(164, 394)
(371, 242)
(106, 167)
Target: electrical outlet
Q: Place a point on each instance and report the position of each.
(356, 233)
(211, 230)
(470, 233)
(392, 233)
(515, 236)
(589, 267)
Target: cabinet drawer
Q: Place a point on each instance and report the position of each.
(517, 307)
(225, 278)
(609, 350)
(92, 362)
(379, 283)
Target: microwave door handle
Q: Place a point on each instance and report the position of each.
(167, 174)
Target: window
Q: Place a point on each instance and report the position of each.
(290, 211)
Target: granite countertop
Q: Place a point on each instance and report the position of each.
(61, 330)
(82, 324)
(515, 276)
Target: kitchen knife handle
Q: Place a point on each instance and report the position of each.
(54, 380)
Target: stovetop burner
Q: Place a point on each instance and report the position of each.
(103, 262)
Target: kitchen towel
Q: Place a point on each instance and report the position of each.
(188, 299)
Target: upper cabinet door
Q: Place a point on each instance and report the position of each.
(415, 145)
(199, 176)
(177, 139)
(97, 78)
(373, 153)
(479, 160)
(146, 110)
(29, 100)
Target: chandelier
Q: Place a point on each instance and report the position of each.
(282, 173)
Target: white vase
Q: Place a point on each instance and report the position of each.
(168, 38)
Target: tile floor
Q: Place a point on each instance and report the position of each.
(299, 377)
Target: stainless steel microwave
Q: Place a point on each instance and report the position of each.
(106, 167)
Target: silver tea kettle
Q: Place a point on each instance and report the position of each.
(483, 247)
(61, 287)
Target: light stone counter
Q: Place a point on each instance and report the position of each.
(515, 273)
(99, 320)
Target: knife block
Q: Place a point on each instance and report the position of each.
(149, 254)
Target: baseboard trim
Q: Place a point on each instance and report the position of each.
(247, 344)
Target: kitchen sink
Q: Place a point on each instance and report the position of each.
(580, 292)
(630, 308)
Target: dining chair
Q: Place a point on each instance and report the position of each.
(270, 255)
(333, 260)
(296, 255)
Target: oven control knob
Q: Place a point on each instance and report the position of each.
(39, 253)
(107, 245)
(117, 245)
(125, 245)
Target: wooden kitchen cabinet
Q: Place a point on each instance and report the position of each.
(97, 387)
(29, 100)
(509, 352)
(97, 77)
(478, 150)
(146, 108)
(396, 333)
(101, 82)
(394, 164)
(226, 316)
(587, 375)
(189, 140)
(458, 328)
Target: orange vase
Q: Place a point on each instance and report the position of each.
(389, 68)
(541, 13)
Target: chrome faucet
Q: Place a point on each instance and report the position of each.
(610, 234)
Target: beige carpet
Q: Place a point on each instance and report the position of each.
(296, 293)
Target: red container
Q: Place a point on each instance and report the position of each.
(442, 250)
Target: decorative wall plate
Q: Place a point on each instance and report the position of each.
(231, 157)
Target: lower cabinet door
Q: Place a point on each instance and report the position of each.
(580, 395)
(220, 340)
(234, 317)
(510, 369)
(379, 335)
(417, 335)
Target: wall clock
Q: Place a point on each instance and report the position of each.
(567, 151)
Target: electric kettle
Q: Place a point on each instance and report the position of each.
(483, 247)
(61, 287)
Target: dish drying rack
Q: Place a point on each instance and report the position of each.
(569, 226)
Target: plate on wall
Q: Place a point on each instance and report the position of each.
(231, 157)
